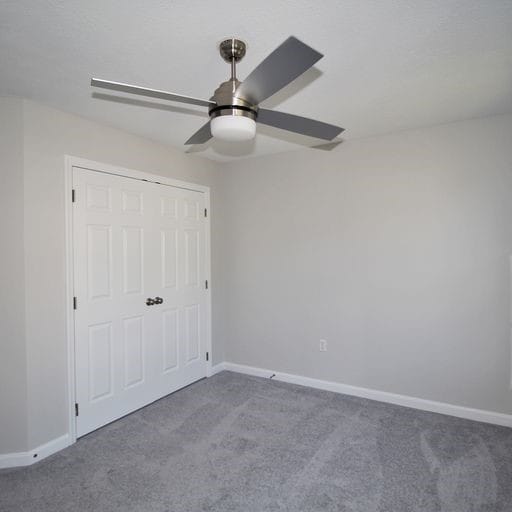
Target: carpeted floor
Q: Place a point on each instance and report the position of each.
(239, 443)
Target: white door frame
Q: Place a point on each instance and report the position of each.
(70, 162)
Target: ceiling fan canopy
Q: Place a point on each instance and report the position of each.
(234, 108)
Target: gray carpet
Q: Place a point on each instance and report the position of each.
(239, 443)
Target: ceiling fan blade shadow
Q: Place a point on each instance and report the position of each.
(224, 148)
(198, 148)
(282, 66)
(204, 134)
(152, 93)
(298, 124)
(328, 146)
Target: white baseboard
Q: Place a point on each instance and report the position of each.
(459, 411)
(217, 368)
(12, 460)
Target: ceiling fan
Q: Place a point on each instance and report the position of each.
(234, 106)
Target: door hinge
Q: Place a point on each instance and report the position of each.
(206, 284)
(207, 356)
(76, 409)
(205, 212)
(74, 302)
(73, 196)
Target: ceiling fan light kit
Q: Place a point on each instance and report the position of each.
(232, 119)
(234, 107)
(233, 128)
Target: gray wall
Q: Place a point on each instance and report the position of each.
(394, 249)
(49, 135)
(13, 371)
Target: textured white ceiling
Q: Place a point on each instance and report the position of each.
(389, 64)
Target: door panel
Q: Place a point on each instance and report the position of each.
(134, 353)
(100, 361)
(135, 240)
(132, 250)
(98, 197)
(191, 257)
(170, 339)
(99, 259)
(132, 202)
(192, 319)
(169, 252)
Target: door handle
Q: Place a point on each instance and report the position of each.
(150, 302)
(158, 300)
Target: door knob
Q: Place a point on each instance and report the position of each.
(158, 300)
(150, 302)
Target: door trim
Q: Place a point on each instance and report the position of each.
(69, 163)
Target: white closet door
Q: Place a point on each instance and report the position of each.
(135, 241)
(180, 319)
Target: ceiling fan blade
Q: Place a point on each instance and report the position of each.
(281, 67)
(202, 135)
(298, 124)
(152, 93)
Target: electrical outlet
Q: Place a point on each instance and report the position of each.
(323, 346)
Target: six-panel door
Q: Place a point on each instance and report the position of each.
(135, 241)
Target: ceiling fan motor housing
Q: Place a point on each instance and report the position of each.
(227, 104)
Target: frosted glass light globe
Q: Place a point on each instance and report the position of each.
(233, 128)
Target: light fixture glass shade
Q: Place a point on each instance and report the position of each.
(233, 128)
